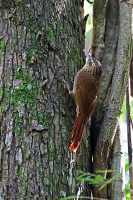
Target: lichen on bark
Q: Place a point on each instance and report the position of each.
(41, 41)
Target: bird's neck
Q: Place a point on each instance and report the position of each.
(89, 67)
(93, 68)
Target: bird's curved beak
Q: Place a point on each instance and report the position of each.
(88, 54)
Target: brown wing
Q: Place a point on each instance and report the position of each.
(88, 89)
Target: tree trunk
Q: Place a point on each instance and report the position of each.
(114, 52)
(116, 189)
(40, 42)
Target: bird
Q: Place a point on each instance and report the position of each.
(86, 90)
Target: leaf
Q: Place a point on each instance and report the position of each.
(127, 191)
(99, 178)
(109, 181)
(81, 177)
(70, 197)
(91, 180)
(126, 167)
(107, 171)
(126, 161)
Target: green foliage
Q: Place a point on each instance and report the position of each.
(127, 186)
(126, 165)
(95, 179)
(70, 197)
(127, 191)
(123, 115)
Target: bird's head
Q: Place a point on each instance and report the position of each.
(93, 65)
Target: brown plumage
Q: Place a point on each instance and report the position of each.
(85, 92)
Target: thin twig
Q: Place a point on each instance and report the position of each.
(90, 2)
(129, 138)
(93, 198)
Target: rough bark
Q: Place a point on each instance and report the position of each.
(116, 189)
(116, 62)
(40, 41)
(99, 11)
(111, 32)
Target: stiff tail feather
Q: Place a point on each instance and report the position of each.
(77, 133)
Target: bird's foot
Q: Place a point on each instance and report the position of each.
(63, 80)
(73, 159)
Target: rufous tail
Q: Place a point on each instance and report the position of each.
(77, 133)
